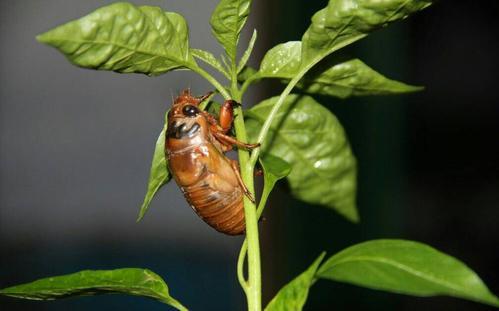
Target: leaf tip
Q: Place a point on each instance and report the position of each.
(43, 38)
(414, 88)
(143, 210)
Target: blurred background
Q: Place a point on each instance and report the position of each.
(76, 145)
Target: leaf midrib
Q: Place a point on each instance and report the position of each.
(399, 266)
(166, 56)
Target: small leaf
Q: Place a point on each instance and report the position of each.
(159, 174)
(343, 22)
(125, 38)
(227, 21)
(406, 267)
(247, 53)
(310, 138)
(340, 79)
(292, 296)
(211, 60)
(130, 281)
(274, 168)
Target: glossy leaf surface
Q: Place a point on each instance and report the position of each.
(406, 267)
(292, 296)
(343, 22)
(341, 79)
(310, 138)
(159, 174)
(130, 281)
(125, 38)
(227, 21)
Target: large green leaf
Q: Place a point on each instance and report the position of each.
(343, 22)
(292, 296)
(159, 174)
(341, 79)
(274, 168)
(227, 21)
(406, 267)
(125, 38)
(310, 138)
(130, 281)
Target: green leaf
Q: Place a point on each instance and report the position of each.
(130, 281)
(340, 79)
(247, 53)
(292, 296)
(211, 60)
(310, 138)
(343, 22)
(406, 267)
(274, 168)
(159, 174)
(352, 78)
(125, 38)
(227, 21)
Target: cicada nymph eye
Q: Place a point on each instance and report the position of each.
(190, 111)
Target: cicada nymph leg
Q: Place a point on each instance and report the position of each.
(235, 167)
(225, 123)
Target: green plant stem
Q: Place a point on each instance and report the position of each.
(244, 247)
(253, 286)
(240, 266)
(220, 88)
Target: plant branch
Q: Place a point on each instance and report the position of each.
(220, 88)
(280, 101)
(240, 266)
(253, 286)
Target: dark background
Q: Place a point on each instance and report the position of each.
(75, 148)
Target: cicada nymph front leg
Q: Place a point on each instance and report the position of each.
(225, 124)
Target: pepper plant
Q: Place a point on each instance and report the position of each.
(301, 141)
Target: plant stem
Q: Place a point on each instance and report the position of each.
(240, 266)
(220, 88)
(244, 247)
(253, 286)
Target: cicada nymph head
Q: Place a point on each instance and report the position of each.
(185, 119)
